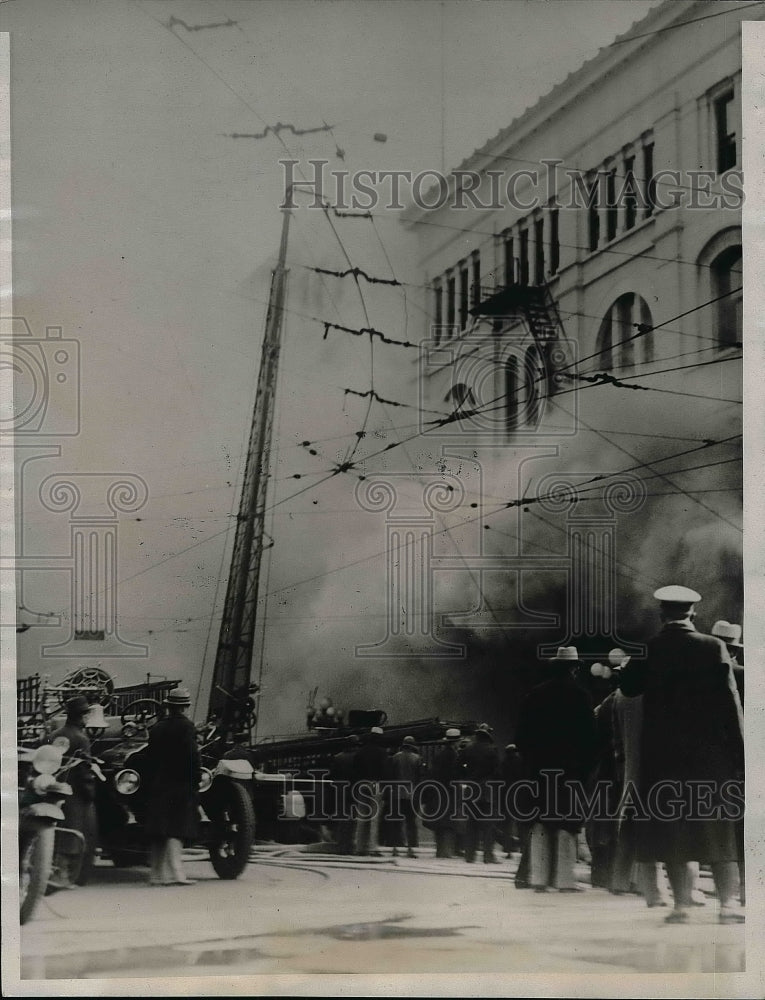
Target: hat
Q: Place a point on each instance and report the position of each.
(178, 696)
(568, 653)
(452, 734)
(484, 728)
(729, 633)
(79, 705)
(676, 595)
(377, 731)
(409, 740)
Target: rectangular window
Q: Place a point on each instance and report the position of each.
(539, 251)
(648, 180)
(612, 209)
(476, 293)
(593, 213)
(523, 238)
(554, 242)
(509, 268)
(464, 295)
(630, 193)
(451, 295)
(725, 131)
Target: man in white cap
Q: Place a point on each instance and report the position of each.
(692, 738)
(556, 733)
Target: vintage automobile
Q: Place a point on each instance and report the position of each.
(227, 822)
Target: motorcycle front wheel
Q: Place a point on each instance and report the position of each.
(35, 865)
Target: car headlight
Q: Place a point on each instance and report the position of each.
(127, 781)
(206, 780)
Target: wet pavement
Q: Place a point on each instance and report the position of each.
(295, 912)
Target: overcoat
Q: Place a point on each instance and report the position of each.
(173, 771)
(556, 733)
(692, 733)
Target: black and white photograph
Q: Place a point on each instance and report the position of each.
(382, 532)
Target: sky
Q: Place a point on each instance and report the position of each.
(147, 233)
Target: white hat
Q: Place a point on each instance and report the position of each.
(377, 731)
(729, 633)
(566, 653)
(676, 595)
(453, 734)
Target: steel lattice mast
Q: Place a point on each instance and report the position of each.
(230, 689)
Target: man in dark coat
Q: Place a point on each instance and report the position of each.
(79, 807)
(407, 770)
(556, 733)
(370, 768)
(342, 772)
(480, 762)
(173, 771)
(445, 772)
(693, 738)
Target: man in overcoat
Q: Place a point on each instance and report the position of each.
(557, 740)
(174, 771)
(692, 754)
(79, 807)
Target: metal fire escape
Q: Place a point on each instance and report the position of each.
(232, 702)
(532, 303)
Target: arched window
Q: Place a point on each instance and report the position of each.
(535, 386)
(719, 284)
(625, 335)
(726, 274)
(512, 400)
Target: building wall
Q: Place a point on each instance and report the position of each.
(651, 90)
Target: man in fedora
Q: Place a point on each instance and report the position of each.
(79, 807)
(556, 733)
(407, 769)
(446, 771)
(731, 636)
(692, 736)
(174, 771)
(480, 762)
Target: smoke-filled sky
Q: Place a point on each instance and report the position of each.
(147, 233)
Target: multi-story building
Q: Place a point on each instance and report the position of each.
(581, 284)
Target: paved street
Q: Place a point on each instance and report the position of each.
(297, 912)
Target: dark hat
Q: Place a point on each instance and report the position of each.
(79, 705)
(484, 732)
(408, 741)
(178, 696)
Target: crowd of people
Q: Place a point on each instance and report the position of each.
(647, 779)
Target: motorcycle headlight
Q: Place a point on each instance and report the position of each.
(43, 782)
(127, 781)
(206, 780)
(47, 759)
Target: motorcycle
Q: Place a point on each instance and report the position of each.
(50, 854)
